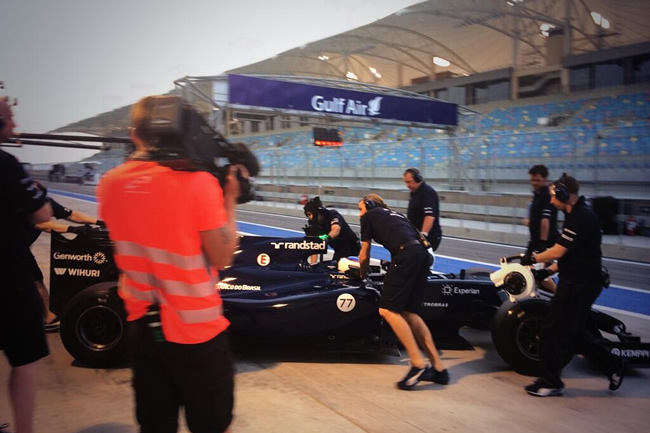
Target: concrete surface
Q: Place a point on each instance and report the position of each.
(305, 393)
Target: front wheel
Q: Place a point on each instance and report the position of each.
(516, 332)
(93, 326)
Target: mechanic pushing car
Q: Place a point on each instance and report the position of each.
(336, 230)
(565, 328)
(179, 348)
(403, 285)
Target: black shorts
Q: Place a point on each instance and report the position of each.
(167, 375)
(22, 337)
(405, 280)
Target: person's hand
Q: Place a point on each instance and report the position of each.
(541, 274)
(79, 230)
(527, 259)
(39, 186)
(100, 223)
(325, 238)
(232, 187)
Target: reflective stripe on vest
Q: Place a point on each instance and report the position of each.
(156, 288)
(177, 288)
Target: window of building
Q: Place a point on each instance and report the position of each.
(609, 74)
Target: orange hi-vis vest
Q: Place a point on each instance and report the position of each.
(154, 216)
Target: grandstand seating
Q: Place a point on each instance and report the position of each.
(586, 129)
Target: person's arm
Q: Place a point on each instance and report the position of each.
(553, 253)
(220, 243)
(427, 224)
(81, 218)
(335, 231)
(364, 258)
(52, 226)
(42, 214)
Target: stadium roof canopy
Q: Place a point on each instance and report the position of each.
(472, 35)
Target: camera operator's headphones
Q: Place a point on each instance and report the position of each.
(417, 176)
(561, 191)
(369, 204)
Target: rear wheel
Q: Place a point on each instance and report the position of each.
(516, 334)
(93, 326)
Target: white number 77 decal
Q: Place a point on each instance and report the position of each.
(346, 302)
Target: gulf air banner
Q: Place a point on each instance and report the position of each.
(265, 92)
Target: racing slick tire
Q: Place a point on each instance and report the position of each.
(516, 334)
(93, 326)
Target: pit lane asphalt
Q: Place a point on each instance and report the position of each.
(294, 392)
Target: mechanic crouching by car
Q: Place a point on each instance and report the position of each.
(336, 230)
(403, 286)
(565, 330)
(167, 225)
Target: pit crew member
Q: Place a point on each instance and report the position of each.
(565, 329)
(403, 286)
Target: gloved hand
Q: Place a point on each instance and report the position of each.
(527, 259)
(100, 223)
(79, 230)
(541, 274)
(325, 238)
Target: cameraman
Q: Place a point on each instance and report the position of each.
(565, 330)
(166, 225)
(336, 230)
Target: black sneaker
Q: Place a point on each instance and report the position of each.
(412, 378)
(542, 388)
(616, 379)
(433, 375)
(53, 325)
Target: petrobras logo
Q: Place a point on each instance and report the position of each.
(76, 272)
(347, 106)
(304, 245)
(435, 304)
(448, 290)
(225, 286)
(631, 353)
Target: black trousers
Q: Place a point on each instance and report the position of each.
(568, 329)
(167, 375)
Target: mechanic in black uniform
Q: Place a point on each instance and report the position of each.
(565, 329)
(403, 286)
(22, 338)
(542, 215)
(335, 229)
(52, 321)
(424, 207)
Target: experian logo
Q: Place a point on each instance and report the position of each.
(347, 106)
(304, 245)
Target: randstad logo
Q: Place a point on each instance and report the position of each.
(347, 106)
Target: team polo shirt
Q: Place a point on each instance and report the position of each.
(424, 202)
(541, 208)
(19, 198)
(581, 236)
(154, 216)
(346, 238)
(387, 227)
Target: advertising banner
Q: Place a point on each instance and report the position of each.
(265, 92)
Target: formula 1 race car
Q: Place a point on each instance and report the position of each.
(273, 293)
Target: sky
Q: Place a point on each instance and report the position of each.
(67, 60)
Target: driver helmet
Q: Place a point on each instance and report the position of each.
(313, 207)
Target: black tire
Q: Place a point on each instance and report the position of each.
(93, 326)
(516, 333)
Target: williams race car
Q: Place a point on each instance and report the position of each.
(273, 293)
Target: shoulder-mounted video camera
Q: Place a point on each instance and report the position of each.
(180, 138)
